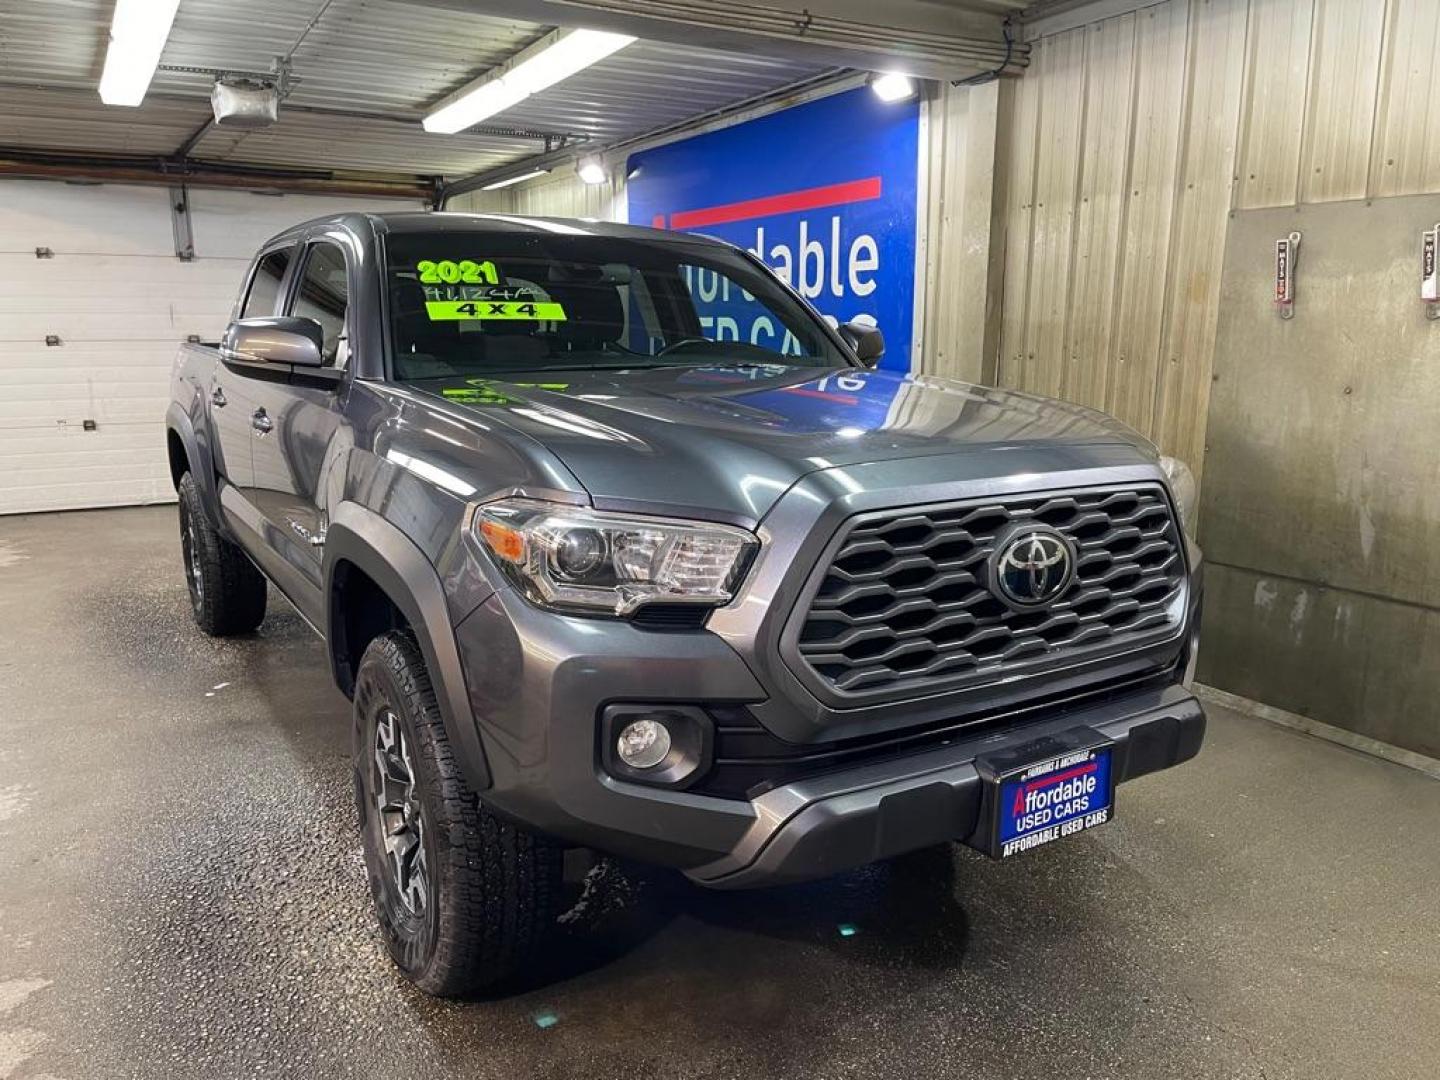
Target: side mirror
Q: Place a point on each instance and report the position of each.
(278, 339)
(864, 337)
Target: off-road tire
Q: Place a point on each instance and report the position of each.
(227, 593)
(494, 890)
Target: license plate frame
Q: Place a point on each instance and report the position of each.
(1046, 790)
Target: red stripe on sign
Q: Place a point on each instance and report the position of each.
(838, 399)
(852, 191)
(658, 221)
(1078, 770)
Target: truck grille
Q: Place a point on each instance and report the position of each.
(905, 604)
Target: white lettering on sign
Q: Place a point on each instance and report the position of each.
(1080, 787)
(816, 268)
(1429, 280)
(864, 259)
(1054, 832)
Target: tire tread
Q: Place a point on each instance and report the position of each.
(498, 885)
(234, 596)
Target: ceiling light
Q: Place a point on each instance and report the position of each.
(893, 87)
(592, 171)
(555, 57)
(518, 178)
(137, 38)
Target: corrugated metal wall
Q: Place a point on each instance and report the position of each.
(562, 194)
(960, 265)
(1131, 140)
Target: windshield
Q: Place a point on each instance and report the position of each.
(479, 303)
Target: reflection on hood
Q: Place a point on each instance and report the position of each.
(734, 436)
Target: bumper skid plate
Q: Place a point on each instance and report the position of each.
(818, 827)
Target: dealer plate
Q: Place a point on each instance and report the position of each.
(1052, 799)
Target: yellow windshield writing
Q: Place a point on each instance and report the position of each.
(450, 310)
(450, 272)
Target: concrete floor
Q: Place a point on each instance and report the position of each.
(181, 894)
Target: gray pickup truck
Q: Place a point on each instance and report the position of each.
(617, 544)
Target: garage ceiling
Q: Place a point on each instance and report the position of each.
(365, 72)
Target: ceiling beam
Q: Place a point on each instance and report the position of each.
(919, 37)
(116, 169)
(192, 140)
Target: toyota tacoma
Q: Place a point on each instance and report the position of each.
(617, 544)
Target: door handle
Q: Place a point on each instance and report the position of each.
(261, 423)
(217, 397)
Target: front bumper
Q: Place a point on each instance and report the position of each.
(537, 683)
(819, 827)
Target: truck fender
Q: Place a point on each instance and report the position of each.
(367, 541)
(201, 464)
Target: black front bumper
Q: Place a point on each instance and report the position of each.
(817, 827)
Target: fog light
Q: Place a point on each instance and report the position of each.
(666, 746)
(643, 744)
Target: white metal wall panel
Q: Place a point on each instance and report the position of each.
(1217, 31)
(962, 261)
(1060, 132)
(120, 302)
(1160, 50)
(1019, 221)
(1278, 73)
(1406, 160)
(568, 196)
(74, 220)
(1100, 215)
(562, 195)
(1234, 103)
(1340, 118)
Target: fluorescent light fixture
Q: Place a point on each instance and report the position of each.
(137, 38)
(592, 171)
(518, 178)
(555, 57)
(893, 87)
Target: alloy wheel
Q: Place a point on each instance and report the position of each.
(402, 828)
(190, 542)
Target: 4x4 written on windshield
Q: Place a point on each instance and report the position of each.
(467, 289)
(451, 302)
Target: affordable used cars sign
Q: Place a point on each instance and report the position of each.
(825, 193)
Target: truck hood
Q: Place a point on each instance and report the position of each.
(725, 441)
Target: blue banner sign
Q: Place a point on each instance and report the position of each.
(825, 193)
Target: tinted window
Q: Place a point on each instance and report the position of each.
(265, 285)
(323, 296)
(728, 312)
(473, 303)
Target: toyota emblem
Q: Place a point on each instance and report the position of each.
(1033, 565)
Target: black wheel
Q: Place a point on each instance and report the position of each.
(463, 897)
(227, 593)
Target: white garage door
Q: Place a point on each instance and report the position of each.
(119, 303)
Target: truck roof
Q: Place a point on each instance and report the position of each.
(411, 221)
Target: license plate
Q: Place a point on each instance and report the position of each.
(1052, 799)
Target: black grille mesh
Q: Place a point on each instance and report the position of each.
(905, 604)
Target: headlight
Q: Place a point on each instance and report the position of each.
(569, 558)
(1182, 487)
